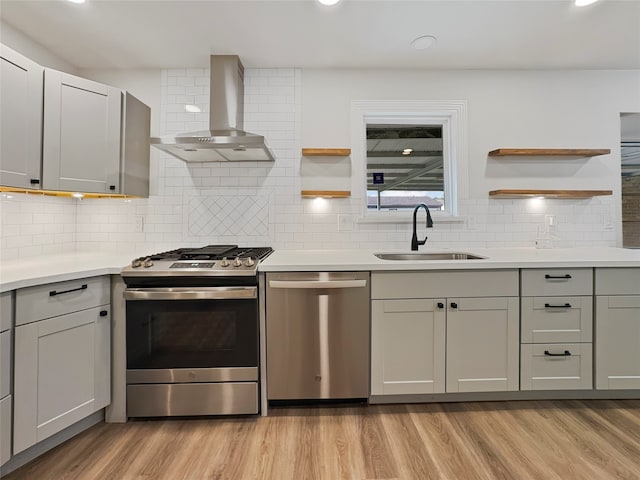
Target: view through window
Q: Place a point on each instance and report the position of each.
(405, 166)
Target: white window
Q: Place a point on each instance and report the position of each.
(406, 153)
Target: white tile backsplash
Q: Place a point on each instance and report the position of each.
(256, 203)
(36, 225)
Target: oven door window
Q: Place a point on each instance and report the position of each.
(165, 334)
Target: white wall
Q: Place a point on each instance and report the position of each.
(19, 42)
(516, 109)
(506, 109)
(144, 84)
(259, 203)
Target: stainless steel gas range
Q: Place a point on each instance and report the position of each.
(193, 332)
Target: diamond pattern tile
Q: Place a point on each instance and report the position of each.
(227, 215)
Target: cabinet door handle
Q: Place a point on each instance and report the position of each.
(454, 305)
(548, 305)
(104, 313)
(566, 353)
(557, 277)
(112, 187)
(53, 293)
(34, 181)
(440, 305)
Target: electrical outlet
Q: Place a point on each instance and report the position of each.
(471, 223)
(345, 223)
(549, 221)
(139, 223)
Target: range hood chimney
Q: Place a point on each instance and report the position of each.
(225, 141)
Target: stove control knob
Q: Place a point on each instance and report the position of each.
(224, 262)
(237, 262)
(146, 263)
(249, 262)
(136, 263)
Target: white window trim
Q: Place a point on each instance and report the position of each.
(453, 117)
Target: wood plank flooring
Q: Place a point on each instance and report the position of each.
(463, 441)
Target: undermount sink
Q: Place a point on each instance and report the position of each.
(428, 256)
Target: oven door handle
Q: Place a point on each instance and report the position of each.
(191, 293)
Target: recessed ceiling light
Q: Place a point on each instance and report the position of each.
(328, 2)
(77, 1)
(407, 151)
(584, 3)
(424, 42)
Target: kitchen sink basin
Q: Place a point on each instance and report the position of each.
(428, 256)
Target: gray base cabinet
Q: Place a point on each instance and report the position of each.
(557, 329)
(5, 430)
(408, 345)
(556, 366)
(482, 344)
(64, 360)
(463, 339)
(6, 321)
(617, 328)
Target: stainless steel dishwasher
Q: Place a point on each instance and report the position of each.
(317, 335)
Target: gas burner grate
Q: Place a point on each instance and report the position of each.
(213, 252)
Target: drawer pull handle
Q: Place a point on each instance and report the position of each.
(548, 305)
(104, 313)
(566, 353)
(53, 293)
(557, 277)
(440, 305)
(454, 305)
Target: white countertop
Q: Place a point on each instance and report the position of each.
(31, 271)
(334, 260)
(40, 270)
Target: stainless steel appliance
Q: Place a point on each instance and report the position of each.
(225, 141)
(192, 334)
(317, 335)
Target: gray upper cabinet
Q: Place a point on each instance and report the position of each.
(81, 134)
(136, 130)
(21, 120)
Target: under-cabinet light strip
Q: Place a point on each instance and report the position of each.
(56, 193)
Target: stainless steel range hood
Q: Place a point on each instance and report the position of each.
(225, 141)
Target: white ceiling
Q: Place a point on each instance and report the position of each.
(504, 34)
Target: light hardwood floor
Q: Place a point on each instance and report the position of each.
(594, 440)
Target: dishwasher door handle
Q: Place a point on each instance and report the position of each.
(317, 283)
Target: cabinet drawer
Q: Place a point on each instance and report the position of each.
(54, 299)
(557, 319)
(5, 431)
(617, 281)
(557, 281)
(455, 283)
(557, 366)
(6, 310)
(5, 363)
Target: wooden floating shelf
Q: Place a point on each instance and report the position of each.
(326, 152)
(57, 193)
(548, 193)
(326, 193)
(549, 152)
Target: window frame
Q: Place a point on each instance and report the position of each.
(453, 118)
